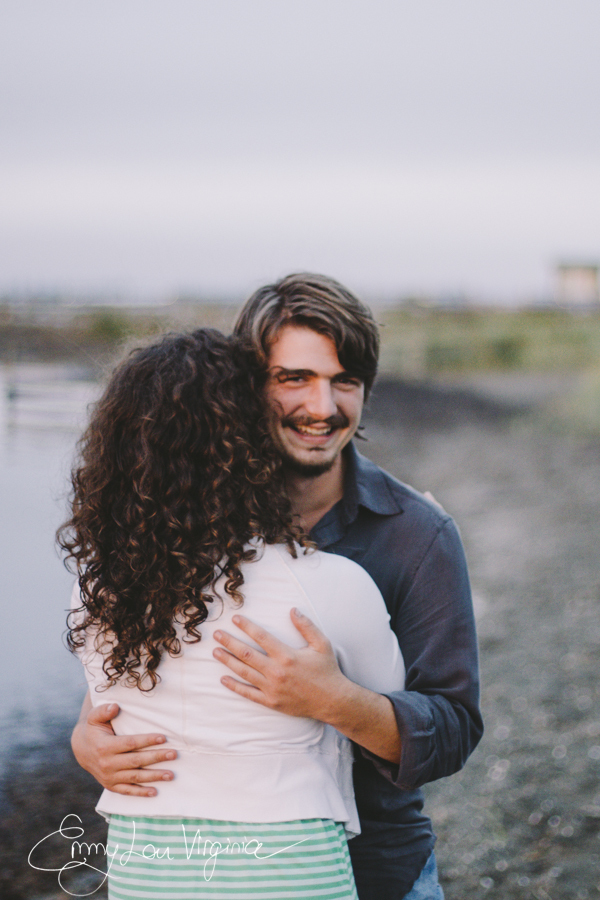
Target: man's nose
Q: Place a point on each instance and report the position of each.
(320, 402)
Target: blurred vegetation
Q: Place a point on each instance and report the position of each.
(579, 410)
(51, 333)
(417, 341)
(109, 326)
(421, 343)
(432, 344)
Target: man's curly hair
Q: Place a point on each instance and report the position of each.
(176, 473)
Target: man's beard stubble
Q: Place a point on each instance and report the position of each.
(306, 469)
(310, 469)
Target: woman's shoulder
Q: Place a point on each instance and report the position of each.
(317, 566)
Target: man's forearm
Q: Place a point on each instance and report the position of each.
(366, 718)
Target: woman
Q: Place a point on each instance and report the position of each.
(179, 517)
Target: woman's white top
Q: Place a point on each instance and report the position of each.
(238, 760)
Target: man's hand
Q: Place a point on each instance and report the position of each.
(308, 682)
(117, 762)
(304, 682)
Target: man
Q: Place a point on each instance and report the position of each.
(317, 347)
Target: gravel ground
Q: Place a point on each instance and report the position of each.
(523, 818)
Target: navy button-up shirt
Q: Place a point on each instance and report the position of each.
(413, 552)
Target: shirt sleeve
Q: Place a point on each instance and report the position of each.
(438, 714)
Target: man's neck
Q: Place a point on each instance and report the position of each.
(312, 497)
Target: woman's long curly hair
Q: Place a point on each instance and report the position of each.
(176, 473)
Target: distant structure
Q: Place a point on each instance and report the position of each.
(578, 285)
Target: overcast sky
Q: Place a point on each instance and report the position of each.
(153, 147)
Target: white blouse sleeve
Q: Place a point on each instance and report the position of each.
(350, 609)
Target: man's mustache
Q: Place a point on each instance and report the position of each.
(339, 420)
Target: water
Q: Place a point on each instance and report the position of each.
(42, 412)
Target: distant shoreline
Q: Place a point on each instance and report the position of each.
(417, 341)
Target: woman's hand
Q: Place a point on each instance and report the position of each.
(118, 762)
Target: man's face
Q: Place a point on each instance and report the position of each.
(315, 404)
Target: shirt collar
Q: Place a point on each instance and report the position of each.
(364, 485)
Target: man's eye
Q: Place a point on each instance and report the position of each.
(348, 381)
(293, 379)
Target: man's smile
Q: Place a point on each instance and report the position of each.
(309, 428)
(313, 430)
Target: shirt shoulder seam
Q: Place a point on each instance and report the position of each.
(440, 525)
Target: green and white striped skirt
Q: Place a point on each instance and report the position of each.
(205, 859)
